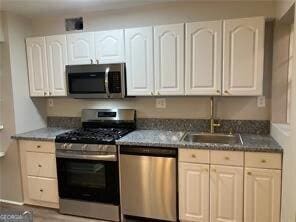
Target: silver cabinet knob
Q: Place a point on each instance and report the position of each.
(91, 61)
(45, 93)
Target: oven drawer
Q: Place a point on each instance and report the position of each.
(43, 189)
(41, 164)
(38, 146)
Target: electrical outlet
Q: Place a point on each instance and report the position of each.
(50, 103)
(160, 103)
(261, 101)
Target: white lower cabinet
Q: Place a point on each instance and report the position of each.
(194, 190)
(43, 189)
(39, 174)
(219, 189)
(226, 193)
(262, 195)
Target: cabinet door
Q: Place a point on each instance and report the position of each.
(226, 194)
(109, 46)
(194, 192)
(139, 61)
(203, 58)
(81, 48)
(56, 59)
(169, 59)
(243, 51)
(262, 195)
(37, 66)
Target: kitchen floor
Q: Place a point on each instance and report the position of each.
(41, 214)
(45, 214)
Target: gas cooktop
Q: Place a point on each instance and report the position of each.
(93, 135)
(101, 126)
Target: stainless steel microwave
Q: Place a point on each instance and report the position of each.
(96, 81)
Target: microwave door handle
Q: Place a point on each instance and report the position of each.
(107, 81)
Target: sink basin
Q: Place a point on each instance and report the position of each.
(230, 139)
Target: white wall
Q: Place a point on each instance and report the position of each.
(19, 112)
(284, 134)
(177, 107)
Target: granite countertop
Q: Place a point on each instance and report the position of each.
(159, 138)
(43, 134)
(163, 138)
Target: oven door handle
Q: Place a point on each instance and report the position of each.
(79, 155)
(107, 81)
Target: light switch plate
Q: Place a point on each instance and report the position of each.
(261, 101)
(50, 103)
(160, 103)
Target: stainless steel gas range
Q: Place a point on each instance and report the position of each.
(87, 164)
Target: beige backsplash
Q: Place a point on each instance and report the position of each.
(176, 107)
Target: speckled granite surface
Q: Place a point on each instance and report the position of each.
(261, 127)
(159, 138)
(63, 122)
(164, 138)
(44, 134)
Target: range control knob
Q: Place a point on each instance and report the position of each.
(84, 147)
(64, 146)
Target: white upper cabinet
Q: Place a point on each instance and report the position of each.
(109, 46)
(139, 61)
(37, 66)
(56, 50)
(169, 59)
(226, 194)
(81, 48)
(262, 195)
(203, 58)
(243, 51)
(194, 192)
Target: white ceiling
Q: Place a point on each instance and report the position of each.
(33, 8)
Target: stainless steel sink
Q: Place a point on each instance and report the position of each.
(230, 139)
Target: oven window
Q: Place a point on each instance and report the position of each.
(88, 180)
(86, 83)
(91, 175)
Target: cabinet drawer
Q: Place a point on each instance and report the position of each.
(43, 189)
(263, 160)
(41, 164)
(232, 158)
(38, 146)
(194, 155)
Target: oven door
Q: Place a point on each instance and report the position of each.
(96, 81)
(89, 180)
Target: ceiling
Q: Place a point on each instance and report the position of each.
(31, 8)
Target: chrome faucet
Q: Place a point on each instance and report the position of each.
(212, 119)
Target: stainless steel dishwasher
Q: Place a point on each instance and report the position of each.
(148, 182)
